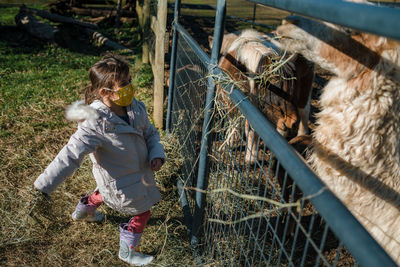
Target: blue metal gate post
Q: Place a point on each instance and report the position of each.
(172, 67)
(378, 20)
(172, 70)
(202, 177)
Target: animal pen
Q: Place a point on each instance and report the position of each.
(239, 214)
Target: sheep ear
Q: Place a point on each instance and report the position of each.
(210, 41)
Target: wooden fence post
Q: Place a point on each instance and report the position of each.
(158, 25)
(143, 12)
(146, 28)
(118, 13)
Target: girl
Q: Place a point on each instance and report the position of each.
(125, 150)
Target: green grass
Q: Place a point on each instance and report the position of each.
(37, 83)
(7, 15)
(144, 76)
(33, 78)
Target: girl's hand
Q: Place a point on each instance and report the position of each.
(156, 164)
(40, 198)
(41, 205)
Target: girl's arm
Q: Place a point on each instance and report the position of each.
(152, 137)
(84, 141)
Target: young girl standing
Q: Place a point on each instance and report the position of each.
(124, 148)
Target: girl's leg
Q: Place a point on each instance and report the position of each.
(138, 222)
(86, 208)
(95, 198)
(130, 235)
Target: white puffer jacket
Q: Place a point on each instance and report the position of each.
(121, 156)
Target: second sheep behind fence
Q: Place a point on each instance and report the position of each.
(278, 84)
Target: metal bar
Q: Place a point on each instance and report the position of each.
(172, 70)
(182, 194)
(379, 20)
(196, 6)
(187, 216)
(251, 22)
(202, 177)
(358, 241)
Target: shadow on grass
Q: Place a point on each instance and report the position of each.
(115, 218)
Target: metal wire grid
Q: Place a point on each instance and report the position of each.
(241, 231)
(255, 214)
(188, 107)
(238, 231)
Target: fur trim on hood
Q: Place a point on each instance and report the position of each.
(78, 111)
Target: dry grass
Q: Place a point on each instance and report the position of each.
(35, 234)
(37, 83)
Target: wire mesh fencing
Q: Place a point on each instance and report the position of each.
(188, 107)
(256, 215)
(268, 209)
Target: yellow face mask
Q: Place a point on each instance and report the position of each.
(125, 95)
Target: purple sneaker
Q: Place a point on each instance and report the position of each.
(86, 212)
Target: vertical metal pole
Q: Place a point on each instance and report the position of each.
(172, 67)
(202, 176)
(187, 215)
(172, 70)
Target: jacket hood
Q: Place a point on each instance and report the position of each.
(79, 112)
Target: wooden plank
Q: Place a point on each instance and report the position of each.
(117, 16)
(146, 28)
(143, 13)
(57, 18)
(97, 2)
(194, 6)
(99, 12)
(160, 25)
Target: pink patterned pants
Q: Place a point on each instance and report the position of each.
(138, 222)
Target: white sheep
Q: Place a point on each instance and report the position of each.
(246, 56)
(355, 148)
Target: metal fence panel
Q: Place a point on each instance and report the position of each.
(274, 212)
(190, 86)
(256, 214)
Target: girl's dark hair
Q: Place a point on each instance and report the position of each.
(109, 72)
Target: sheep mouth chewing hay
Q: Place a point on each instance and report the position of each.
(279, 84)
